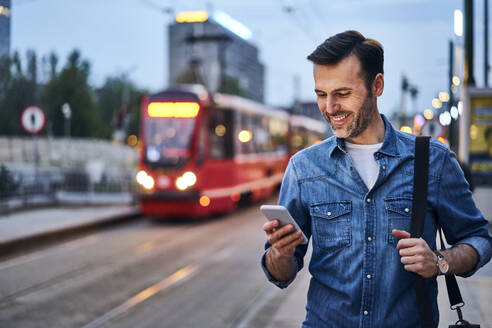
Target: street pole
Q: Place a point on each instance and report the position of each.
(486, 44)
(453, 126)
(469, 77)
(67, 113)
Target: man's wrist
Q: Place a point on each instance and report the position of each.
(442, 265)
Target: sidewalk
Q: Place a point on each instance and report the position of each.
(20, 227)
(476, 290)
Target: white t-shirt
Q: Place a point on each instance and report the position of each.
(364, 162)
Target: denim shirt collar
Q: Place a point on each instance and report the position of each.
(389, 147)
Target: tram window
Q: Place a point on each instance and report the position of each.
(221, 134)
(278, 132)
(261, 138)
(244, 134)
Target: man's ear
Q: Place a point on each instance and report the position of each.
(378, 85)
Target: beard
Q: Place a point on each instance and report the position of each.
(361, 120)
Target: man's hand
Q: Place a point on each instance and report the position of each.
(416, 255)
(280, 257)
(283, 241)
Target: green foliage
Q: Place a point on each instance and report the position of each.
(231, 86)
(71, 86)
(92, 114)
(17, 91)
(118, 95)
(8, 186)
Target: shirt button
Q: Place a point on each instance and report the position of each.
(407, 210)
(369, 238)
(369, 276)
(368, 200)
(384, 167)
(366, 313)
(329, 213)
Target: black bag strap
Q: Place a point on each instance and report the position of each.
(420, 181)
(454, 293)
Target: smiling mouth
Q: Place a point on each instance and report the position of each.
(339, 118)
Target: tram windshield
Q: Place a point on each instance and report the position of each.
(168, 140)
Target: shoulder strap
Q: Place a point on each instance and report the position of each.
(454, 293)
(420, 181)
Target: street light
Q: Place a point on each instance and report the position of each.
(436, 103)
(67, 113)
(458, 22)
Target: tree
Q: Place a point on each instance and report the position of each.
(119, 102)
(71, 86)
(17, 91)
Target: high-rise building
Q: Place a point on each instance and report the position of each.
(4, 28)
(216, 49)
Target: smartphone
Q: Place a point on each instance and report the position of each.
(272, 212)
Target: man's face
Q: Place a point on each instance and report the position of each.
(343, 98)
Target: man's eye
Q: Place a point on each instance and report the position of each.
(321, 95)
(343, 94)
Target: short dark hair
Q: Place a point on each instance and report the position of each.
(369, 51)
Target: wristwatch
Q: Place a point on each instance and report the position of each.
(442, 263)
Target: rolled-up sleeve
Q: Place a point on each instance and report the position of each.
(290, 197)
(460, 219)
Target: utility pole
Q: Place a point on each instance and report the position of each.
(453, 132)
(486, 44)
(469, 77)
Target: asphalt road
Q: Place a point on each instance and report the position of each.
(143, 274)
(174, 274)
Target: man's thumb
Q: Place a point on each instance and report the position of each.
(400, 234)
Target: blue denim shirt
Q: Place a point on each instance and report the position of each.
(357, 277)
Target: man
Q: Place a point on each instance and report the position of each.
(352, 194)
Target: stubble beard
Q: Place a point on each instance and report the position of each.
(358, 125)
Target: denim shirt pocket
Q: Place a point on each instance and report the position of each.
(399, 215)
(332, 224)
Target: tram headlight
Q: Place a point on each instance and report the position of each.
(185, 181)
(145, 180)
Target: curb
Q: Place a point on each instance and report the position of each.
(58, 234)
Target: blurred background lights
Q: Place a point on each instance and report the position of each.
(443, 96)
(428, 114)
(441, 139)
(460, 107)
(204, 201)
(245, 135)
(458, 22)
(456, 80)
(145, 180)
(232, 25)
(445, 118)
(406, 129)
(436, 103)
(419, 120)
(220, 130)
(153, 154)
(192, 17)
(187, 180)
(454, 112)
(473, 131)
(132, 140)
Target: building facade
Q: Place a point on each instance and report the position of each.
(4, 28)
(222, 59)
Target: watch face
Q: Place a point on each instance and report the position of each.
(443, 266)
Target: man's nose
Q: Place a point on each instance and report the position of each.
(331, 106)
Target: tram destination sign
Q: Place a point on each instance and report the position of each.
(33, 119)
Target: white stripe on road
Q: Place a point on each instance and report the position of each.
(178, 276)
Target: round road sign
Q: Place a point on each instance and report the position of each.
(33, 119)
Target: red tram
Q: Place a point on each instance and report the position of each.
(200, 156)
